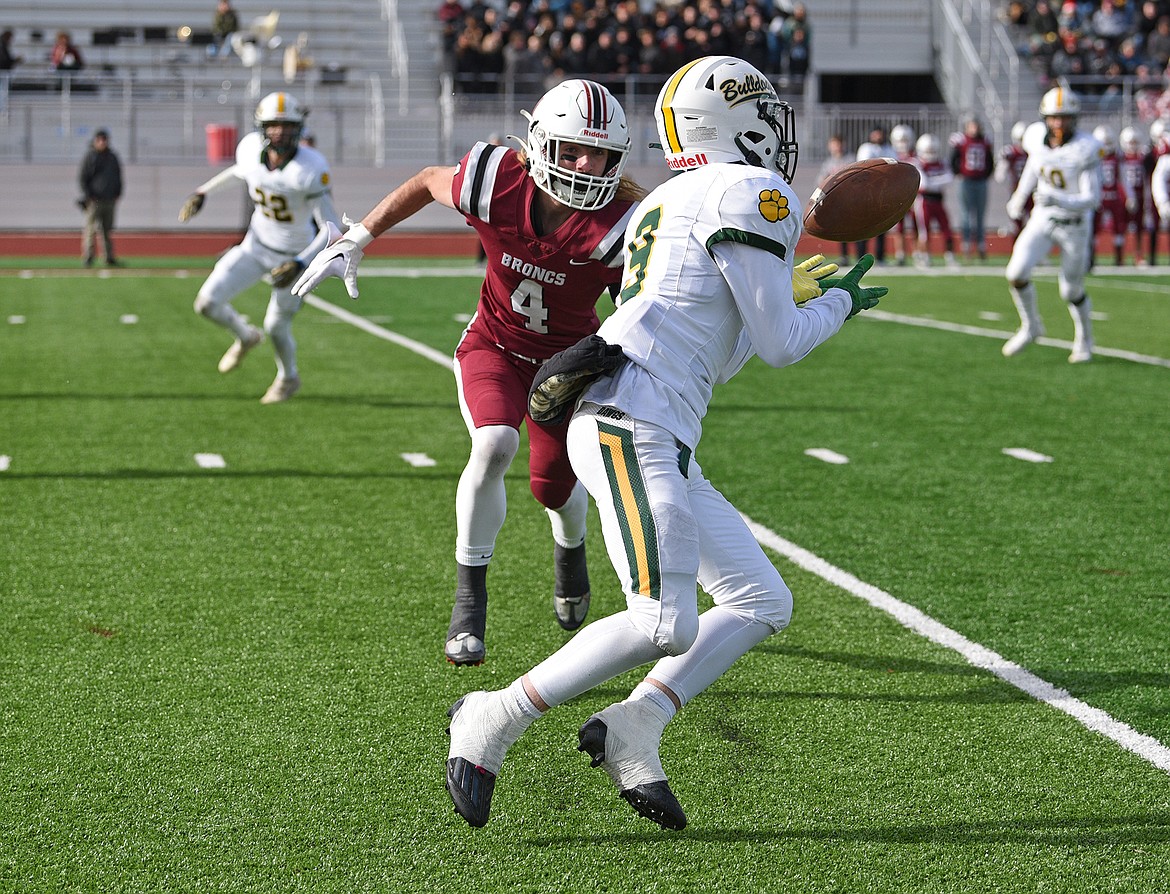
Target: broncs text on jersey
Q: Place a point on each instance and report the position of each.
(530, 271)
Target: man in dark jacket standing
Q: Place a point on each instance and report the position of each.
(101, 187)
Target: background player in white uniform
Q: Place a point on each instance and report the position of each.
(1063, 177)
(289, 184)
(709, 282)
(1160, 186)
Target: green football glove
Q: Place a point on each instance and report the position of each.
(863, 298)
(807, 277)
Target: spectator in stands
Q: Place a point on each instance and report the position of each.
(1157, 50)
(450, 15)
(1069, 60)
(1113, 21)
(1147, 19)
(224, 24)
(8, 60)
(799, 54)
(100, 178)
(877, 146)
(531, 65)
(65, 56)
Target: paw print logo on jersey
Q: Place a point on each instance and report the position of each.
(773, 205)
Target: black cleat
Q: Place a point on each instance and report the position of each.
(465, 634)
(469, 783)
(470, 787)
(571, 596)
(465, 650)
(652, 800)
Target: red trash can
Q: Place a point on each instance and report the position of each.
(221, 143)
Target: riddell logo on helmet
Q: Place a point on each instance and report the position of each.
(597, 134)
(683, 162)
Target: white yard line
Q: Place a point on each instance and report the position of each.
(1145, 747)
(926, 323)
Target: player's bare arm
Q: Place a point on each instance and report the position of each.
(431, 184)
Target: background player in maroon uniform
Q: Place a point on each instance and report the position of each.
(972, 161)
(1010, 165)
(1112, 213)
(1135, 175)
(552, 222)
(930, 208)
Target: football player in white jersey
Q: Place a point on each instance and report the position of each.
(1063, 177)
(709, 282)
(292, 220)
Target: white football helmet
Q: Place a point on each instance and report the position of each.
(582, 112)
(927, 148)
(722, 109)
(281, 108)
(1157, 132)
(1103, 134)
(902, 139)
(1018, 132)
(1060, 102)
(1130, 143)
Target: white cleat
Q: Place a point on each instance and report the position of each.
(1081, 353)
(1019, 341)
(234, 355)
(281, 390)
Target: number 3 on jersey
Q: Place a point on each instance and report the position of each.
(639, 251)
(528, 301)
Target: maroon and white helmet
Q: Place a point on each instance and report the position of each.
(586, 113)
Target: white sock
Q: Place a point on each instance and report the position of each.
(1024, 297)
(279, 329)
(656, 699)
(568, 522)
(226, 316)
(518, 698)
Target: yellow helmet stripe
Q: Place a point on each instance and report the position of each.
(280, 103)
(674, 144)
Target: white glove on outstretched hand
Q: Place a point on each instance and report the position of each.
(339, 259)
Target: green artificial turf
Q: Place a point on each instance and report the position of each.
(232, 679)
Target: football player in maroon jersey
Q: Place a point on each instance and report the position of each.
(552, 218)
(1113, 195)
(1135, 175)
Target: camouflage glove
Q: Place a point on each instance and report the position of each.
(807, 277)
(191, 206)
(286, 274)
(563, 377)
(863, 298)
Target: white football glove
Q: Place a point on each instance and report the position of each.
(806, 277)
(340, 259)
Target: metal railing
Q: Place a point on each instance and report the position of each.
(164, 119)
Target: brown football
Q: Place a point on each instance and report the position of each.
(861, 200)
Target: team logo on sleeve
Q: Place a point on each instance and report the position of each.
(773, 205)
